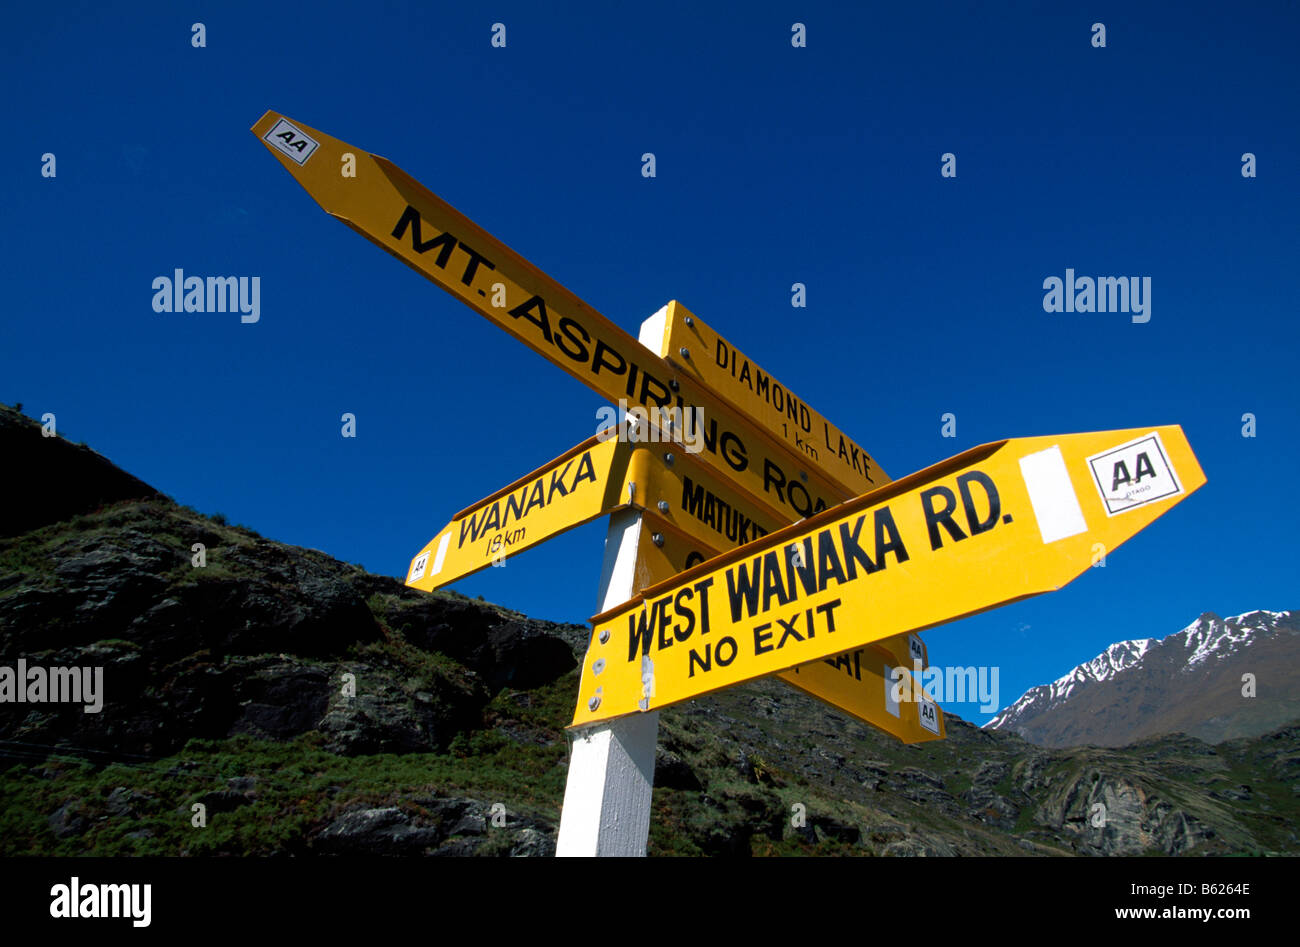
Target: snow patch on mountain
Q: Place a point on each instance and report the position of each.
(1206, 639)
(1210, 637)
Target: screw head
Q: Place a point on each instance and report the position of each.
(684, 352)
(690, 321)
(669, 458)
(663, 506)
(803, 475)
(657, 539)
(593, 703)
(604, 636)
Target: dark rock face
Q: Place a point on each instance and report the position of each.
(384, 718)
(986, 803)
(127, 585)
(1107, 814)
(821, 827)
(386, 831)
(279, 699)
(434, 826)
(672, 772)
(68, 479)
(223, 800)
(732, 818)
(519, 653)
(249, 643)
(68, 821)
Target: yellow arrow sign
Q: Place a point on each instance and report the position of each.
(575, 488)
(386, 205)
(862, 683)
(993, 525)
(700, 353)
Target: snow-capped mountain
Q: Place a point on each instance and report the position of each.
(1192, 681)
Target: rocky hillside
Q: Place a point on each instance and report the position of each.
(1190, 682)
(305, 707)
(50, 479)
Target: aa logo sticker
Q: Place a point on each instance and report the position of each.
(1134, 474)
(418, 566)
(928, 714)
(291, 141)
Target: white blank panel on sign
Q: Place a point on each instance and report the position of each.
(441, 554)
(1055, 505)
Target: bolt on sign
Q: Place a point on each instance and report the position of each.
(700, 353)
(990, 526)
(389, 207)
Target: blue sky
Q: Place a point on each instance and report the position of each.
(774, 165)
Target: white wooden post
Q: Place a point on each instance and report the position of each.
(612, 764)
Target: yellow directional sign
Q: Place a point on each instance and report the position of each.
(578, 486)
(858, 683)
(993, 525)
(384, 204)
(700, 353)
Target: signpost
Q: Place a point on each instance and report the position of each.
(744, 559)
